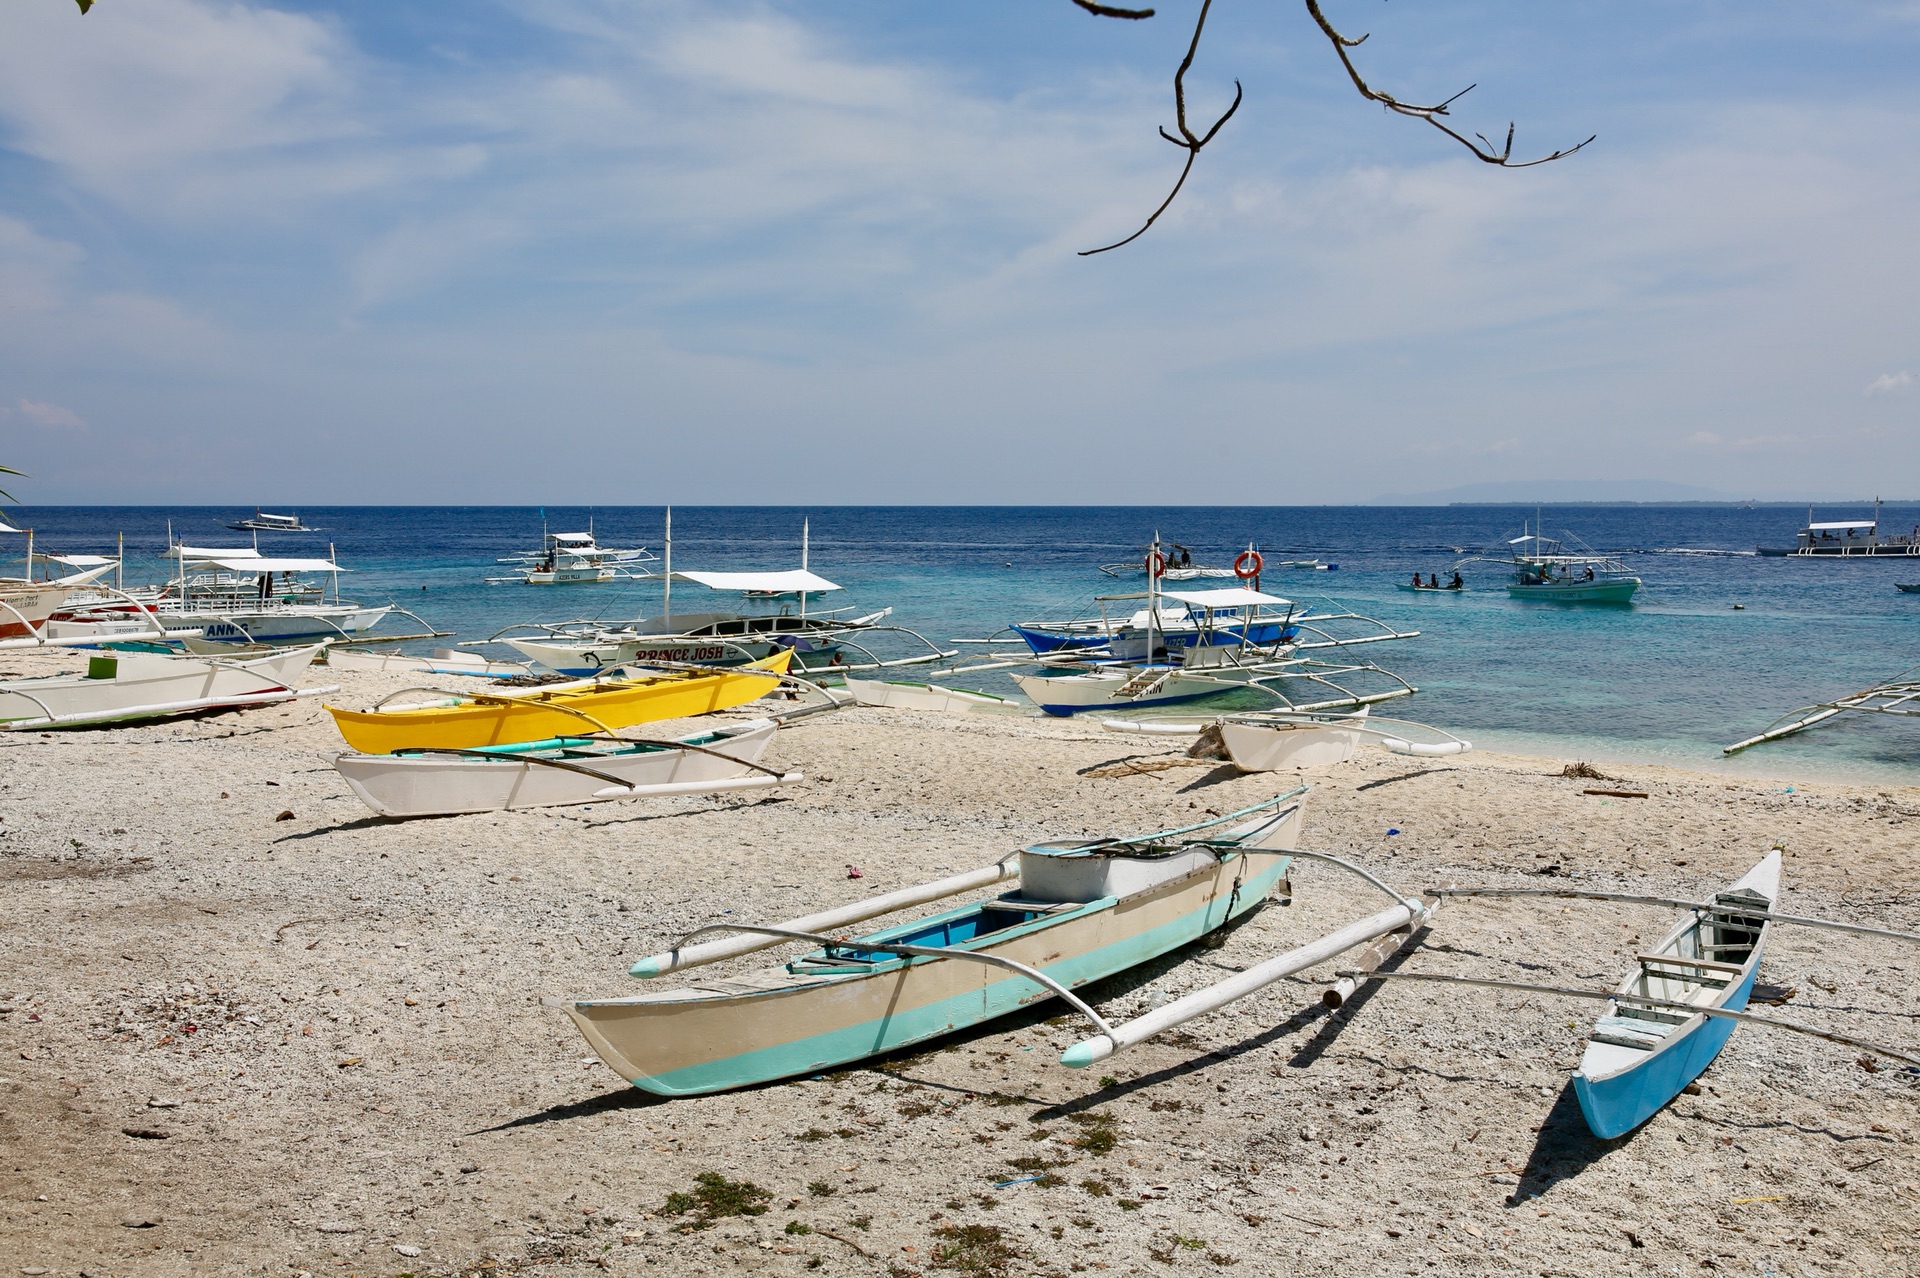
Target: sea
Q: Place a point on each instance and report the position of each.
(1719, 642)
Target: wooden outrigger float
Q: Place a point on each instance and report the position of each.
(1083, 910)
(467, 720)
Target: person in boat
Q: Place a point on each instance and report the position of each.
(1186, 557)
(1417, 583)
(1589, 573)
(1433, 581)
(1458, 583)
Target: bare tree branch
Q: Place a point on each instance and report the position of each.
(1503, 156)
(1097, 10)
(1187, 139)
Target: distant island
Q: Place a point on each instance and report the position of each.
(1599, 492)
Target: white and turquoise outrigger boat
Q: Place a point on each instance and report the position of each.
(1082, 910)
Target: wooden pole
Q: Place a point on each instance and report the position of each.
(1638, 1000)
(1713, 907)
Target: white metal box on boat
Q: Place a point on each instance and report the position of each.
(1062, 872)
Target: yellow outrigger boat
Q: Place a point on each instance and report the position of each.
(462, 721)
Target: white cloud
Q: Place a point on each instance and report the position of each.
(1888, 383)
(52, 417)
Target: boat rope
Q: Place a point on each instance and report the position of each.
(829, 944)
(1639, 1000)
(1706, 907)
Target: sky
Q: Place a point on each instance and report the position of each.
(825, 252)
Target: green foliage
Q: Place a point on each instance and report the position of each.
(980, 1250)
(713, 1197)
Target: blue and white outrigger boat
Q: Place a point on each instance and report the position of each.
(1640, 1055)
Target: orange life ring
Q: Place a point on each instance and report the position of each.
(1156, 564)
(1248, 565)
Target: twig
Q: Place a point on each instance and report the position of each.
(1187, 138)
(828, 1233)
(1097, 10)
(1431, 114)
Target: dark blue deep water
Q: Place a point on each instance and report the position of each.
(1672, 678)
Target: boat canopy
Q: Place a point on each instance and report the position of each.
(789, 582)
(77, 561)
(1845, 523)
(1233, 597)
(257, 565)
(211, 553)
(573, 539)
(6, 527)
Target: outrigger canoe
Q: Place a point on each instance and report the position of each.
(561, 771)
(1083, 910)
(469, 720)
(1638, 1057)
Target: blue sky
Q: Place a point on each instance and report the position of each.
(609, 251)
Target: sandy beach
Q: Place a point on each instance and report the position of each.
(248, 1028)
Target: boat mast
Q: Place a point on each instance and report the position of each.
(120, 564)
(1153, 593)
(666, 601)
(29, 573)
(806, 526)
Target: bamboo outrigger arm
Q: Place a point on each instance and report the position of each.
(1406, 913)
(1639, 1000)
(1705, 907)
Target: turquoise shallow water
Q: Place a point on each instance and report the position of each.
(1670, 679)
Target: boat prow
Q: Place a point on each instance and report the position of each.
(1638, 1058)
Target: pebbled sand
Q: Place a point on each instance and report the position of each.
(371, 1086)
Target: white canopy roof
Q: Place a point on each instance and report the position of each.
(1851, 523)
(790, 582)
(1233, 597)
(213, 552)
(77, 561)
(572, 537)
(7, 527)
(258, 565)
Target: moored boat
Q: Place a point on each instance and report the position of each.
(1083, 910)
(905, 695)
(466, 720)
(129, 686)
(1544, 569)
(561, 771)
(1640, 1057)
(1847, 539)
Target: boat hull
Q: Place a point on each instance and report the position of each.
(1064, 695)
(1270, 747)
(556, 711)
(1618, 590)
(28, 607)
(928, 696)
(588, 659)
(1621, 1083)
(438, 785)
(126, 687)
(723, 1034)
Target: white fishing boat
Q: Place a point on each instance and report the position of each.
(1291, 683)
(1268, 741)
(28, 603)
(560, 771)
(444, 661)
(573, 558)
(1848, 539)
(903, 695)
(129, 686)
(266, 523)
(234, 594)
(818, 640)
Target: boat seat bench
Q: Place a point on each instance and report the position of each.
(1705, 965)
